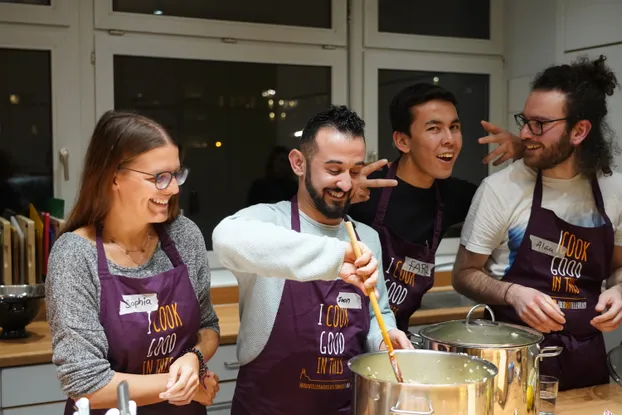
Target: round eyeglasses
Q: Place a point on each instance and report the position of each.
(164, 178)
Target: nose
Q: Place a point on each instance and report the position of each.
(345, 182)
(525, 133)
(448, 138)
(173, 187)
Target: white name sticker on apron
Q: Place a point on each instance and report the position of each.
(418, 267)
(349, 300)
(138, 303)
(546, 247)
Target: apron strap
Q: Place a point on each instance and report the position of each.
(598, 199)
(102, 261)
(168, 246)
(438, 220)
(295, 217)
(385, 196)
(598, 196)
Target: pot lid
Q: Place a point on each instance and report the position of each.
(481, 333)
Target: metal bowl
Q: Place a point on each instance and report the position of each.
(19, 305)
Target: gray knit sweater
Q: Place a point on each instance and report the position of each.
(79, 343)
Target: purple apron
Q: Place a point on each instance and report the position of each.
(303, 368)
(572, 275)
(148, 322)
(409, 267)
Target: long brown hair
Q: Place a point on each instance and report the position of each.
(118, 138)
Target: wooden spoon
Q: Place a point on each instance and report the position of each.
(374, 303)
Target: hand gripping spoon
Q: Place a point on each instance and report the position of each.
(374, 303)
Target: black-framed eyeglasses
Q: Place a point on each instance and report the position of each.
(535, 126)
(164, 178)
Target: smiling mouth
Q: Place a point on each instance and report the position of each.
(446, 157)
(159, 202)
(533, 146)
(336, 194)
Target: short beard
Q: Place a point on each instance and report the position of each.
(553, 155)
(329, 210)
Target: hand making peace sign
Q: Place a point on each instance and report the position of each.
(362, 184)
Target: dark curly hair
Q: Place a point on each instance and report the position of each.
(340, 118)
(586, 84)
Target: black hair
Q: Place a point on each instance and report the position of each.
(400, 109)
(586, 85)
(340, 118)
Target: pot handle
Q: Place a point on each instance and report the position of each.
(417, 344)
(475, 307)
(549, 351)
(430, 411)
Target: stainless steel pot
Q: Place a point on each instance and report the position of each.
(434, 383)
(513, 349)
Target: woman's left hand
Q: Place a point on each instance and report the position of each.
(183, 380)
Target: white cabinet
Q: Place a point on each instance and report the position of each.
(35, 389)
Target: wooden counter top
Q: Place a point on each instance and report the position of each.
(37, 348)
(590, 401)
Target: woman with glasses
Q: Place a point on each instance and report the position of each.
(128, 286)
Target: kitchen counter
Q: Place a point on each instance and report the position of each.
(38, 347)
(590, 401)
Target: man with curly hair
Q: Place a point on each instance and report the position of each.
(548, 229)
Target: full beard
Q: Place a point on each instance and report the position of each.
(551, 156)
(329, 210)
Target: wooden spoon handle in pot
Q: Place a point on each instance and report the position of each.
(374, 303)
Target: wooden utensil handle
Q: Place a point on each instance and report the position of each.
(370, 292)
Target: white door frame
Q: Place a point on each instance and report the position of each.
(107, 46)
(63, 45)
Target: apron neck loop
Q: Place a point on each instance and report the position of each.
(295, 217)
(385, 196)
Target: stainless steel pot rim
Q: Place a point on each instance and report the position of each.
(24, 291)
(538, 337)
(433, 353)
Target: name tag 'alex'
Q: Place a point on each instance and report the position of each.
(349, 300)
(138, 303)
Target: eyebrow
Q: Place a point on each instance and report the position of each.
(435, 122)
(358, 163)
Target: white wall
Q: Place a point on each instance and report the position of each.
(539, 33)
(542, 33)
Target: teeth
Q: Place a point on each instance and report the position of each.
(160, 201)
(447, 156)
(336, 194)
(533, 146)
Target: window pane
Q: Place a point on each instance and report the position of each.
(228, 123)
(471, 91)
(25, 129)
(315, 13)
(450, 18)
(35, 2)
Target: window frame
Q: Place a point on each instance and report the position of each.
(106, 18)
(373, 38)
(107, 46)
(424, 61)
(58, 13)
(65, 69)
